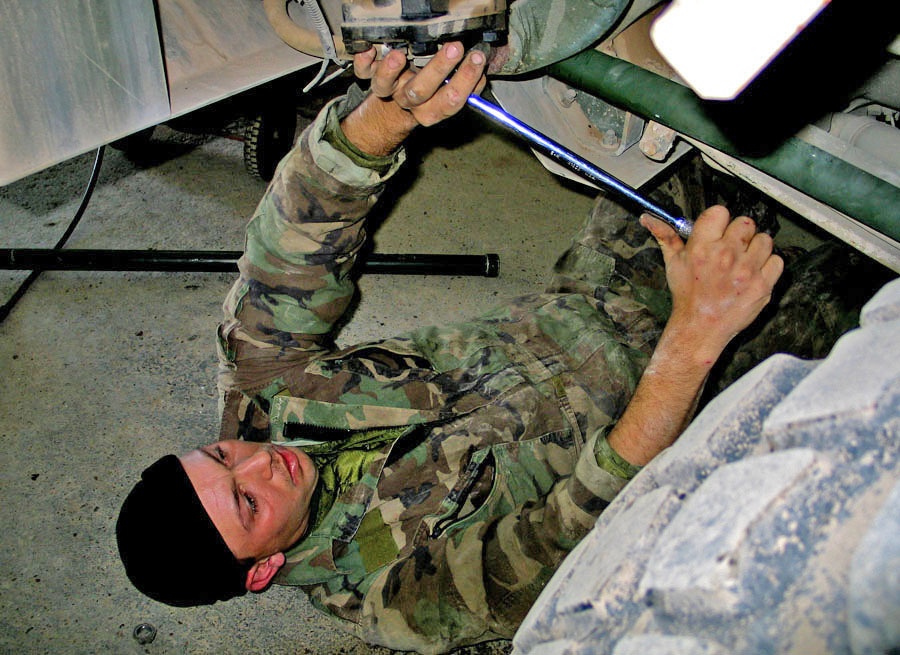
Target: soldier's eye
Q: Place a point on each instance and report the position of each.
(251, 502)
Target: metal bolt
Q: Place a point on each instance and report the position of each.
(144, 633)
(568, 97)
(610, 139)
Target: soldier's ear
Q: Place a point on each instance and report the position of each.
(260, 574)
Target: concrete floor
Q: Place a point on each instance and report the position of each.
(104, 372)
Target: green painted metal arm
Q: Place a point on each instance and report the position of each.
(813, 171)
(544, 31)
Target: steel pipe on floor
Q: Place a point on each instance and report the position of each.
(71, 259)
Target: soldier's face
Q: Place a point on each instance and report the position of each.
(257, 495)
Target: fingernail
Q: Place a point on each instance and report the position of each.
(452, 51)
(477, 57)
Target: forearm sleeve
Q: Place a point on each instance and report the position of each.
(295, 275)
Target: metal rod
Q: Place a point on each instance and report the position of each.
(577, 164)
(49, 259)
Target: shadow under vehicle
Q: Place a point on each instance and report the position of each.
(810, 122)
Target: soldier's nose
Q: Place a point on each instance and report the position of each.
(259, 463)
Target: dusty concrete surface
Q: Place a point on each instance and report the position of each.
(106, 371)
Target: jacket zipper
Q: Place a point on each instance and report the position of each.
(472, 472)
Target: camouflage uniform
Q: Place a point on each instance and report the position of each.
(465, 461)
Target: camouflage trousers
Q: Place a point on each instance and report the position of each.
(817, 299)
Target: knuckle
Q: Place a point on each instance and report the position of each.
(362, 71)
(727, 259)
(453, 97)
(401, 98)
(744, 273)
(427, 118)
(765, 239)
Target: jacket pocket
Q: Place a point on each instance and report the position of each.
(520, 472)
(460, 504)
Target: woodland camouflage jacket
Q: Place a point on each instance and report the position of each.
(476, 442)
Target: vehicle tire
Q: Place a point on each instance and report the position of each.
(771, 526)
(268, 137)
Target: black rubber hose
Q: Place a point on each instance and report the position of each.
(36, 271)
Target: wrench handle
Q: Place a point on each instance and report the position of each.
(568, 159)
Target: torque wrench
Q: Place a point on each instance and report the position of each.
(577, 164)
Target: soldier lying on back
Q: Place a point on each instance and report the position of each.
(424, 488)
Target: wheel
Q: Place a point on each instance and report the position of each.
(268, 137)
(770, 526)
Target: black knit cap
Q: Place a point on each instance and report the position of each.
(171, 549)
